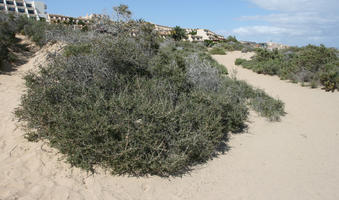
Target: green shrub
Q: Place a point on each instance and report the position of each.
(232, 44)
(134, 107)
(266, 106)
(329, 77)
(231, 39)
(8, 30)
(75, 50)
(209, 43)
(135, 121)
(36, 31)
(257, 99)
(194, 32)
(310, 64)
(239, 61)
(217, 51)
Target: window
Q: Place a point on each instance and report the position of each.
(11, 9)
(29, 5)
(1, 1)
(2, 8)
(19, 4)
(21, 10)
(30, 11)
(10, 2)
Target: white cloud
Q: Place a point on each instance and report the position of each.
(298, 5)
(294, 22)
(295, 18)
(269, 30)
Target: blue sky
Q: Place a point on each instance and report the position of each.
(292, 22)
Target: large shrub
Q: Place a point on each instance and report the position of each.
(133, 106)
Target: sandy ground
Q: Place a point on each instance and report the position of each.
(294, 159)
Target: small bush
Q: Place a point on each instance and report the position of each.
(209, 43)
(76, 50)
(257, 99)
(329, 78)
(266, 106)
(217, 51)
(231, 39)
(239, 61)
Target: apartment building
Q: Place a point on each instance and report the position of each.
(53, 18)
(199, 34)
(205, 34)
(95, 17)
(164, 31)
(33, 9)
(273, 45)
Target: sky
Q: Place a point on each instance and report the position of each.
(291, 22)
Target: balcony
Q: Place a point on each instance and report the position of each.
(31, 12)
(10, 2)
(12, 9)
(21, 10)
(29, 5)
(19, 4)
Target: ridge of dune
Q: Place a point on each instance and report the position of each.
(292, 159)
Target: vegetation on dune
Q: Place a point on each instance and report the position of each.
(229, 44)
(10, 25)
(217, 51)
(8, 29)
(314, 65)
(134, 105)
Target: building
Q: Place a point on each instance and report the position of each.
(273, 45)
(163, 31)
(53, 18)
(202, 35)
(95, 17)
(265, 45)
(193, 34)
(32, 9)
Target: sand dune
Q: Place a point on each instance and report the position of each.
(296, 158)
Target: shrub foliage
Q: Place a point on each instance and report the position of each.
(132, 105)
(217, 51)
(10, 25)
(310, 64)
(8, 29)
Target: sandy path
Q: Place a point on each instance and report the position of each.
(294, 159)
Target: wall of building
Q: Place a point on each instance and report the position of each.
(34, 9)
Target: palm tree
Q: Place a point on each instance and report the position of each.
(178, 33)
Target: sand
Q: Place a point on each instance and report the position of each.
(294, 159)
